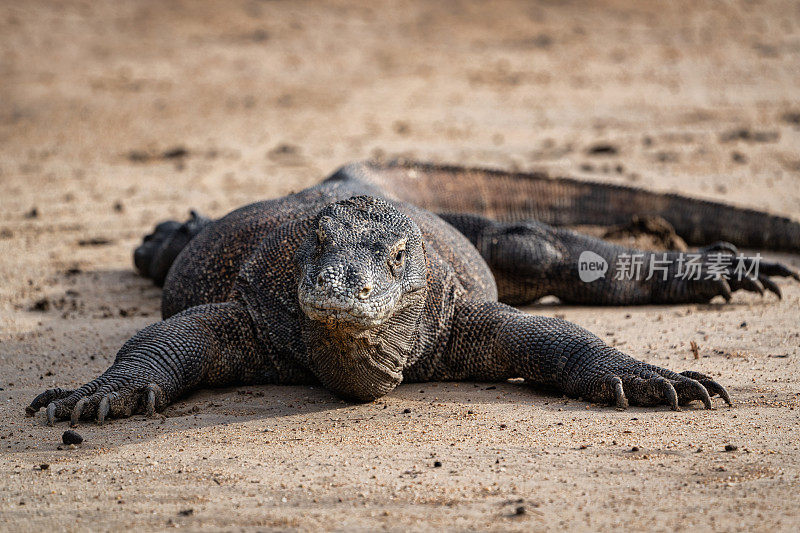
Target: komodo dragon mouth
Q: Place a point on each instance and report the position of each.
(355, 318)
(345, 313)
(349, 318)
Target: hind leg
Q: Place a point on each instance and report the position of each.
(158, 250)
(530, 260)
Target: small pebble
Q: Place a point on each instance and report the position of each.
(520, 510)
(635, 449)
(71, 437)
(406, 410)
(731, 447)
(437, 464)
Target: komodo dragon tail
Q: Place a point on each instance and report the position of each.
(514, 196)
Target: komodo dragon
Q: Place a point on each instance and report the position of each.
(396, 272)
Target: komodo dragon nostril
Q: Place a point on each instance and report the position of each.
(365, 292)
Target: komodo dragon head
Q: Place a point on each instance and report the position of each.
(362, 285)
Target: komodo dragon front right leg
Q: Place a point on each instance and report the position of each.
(207, 345)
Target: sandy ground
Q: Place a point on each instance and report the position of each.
(99, 99)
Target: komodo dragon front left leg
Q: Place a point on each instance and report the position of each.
(531, 260)
(493, 342)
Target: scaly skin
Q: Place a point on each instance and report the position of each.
(531, 260)
(348, 285)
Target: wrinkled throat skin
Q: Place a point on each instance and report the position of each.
(364, 364)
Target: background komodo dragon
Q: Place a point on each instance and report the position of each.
(357, 284)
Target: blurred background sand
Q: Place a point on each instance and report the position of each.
(115, 115)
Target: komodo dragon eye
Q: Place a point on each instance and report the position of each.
(397, 259)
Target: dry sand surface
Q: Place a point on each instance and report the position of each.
(115, 115)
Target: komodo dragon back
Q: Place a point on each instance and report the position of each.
(515, 196)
